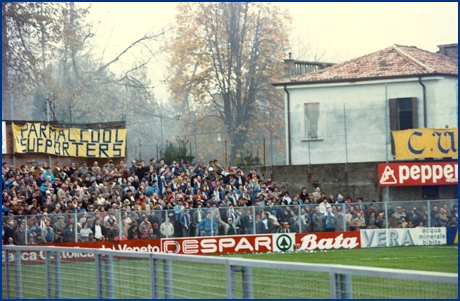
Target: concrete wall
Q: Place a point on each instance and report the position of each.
(354, 179)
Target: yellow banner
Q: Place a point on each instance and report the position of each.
(73, 142)
(426, 143)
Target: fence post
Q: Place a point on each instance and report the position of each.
(428, 206)
(7, 273)
(230, 281)
(26, 238)
(343, 286)
(120, 225)
(167, 271)
(247, 283)
(75, 226)
(386, 215)
(17, 255)
(98, 275)
(254, 222)
(48, 274)
(109, 280)
(57, 275)
(153, 277)
(299, 218)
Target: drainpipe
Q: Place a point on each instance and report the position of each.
(424, 101)
(288, 124)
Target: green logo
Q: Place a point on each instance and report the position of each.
(284, 242)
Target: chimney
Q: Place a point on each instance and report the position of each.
(289, 67)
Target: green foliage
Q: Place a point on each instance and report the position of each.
(172, 152)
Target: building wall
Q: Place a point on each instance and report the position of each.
(364, 108)
(353, 179)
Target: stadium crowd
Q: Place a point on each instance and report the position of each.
(43, 204)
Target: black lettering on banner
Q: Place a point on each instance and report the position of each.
(81, 135)
(77, 144)
(24, 130)
(23, 142)
(116, 137)
(30, 144)
(88, 150)
(65, 148)
(109, 139)
(93, 139)
(57, 147)
(32, 129)
(43, 131)
(39, 143)
(69, 137)
(61, 134)
(116, 151)
(52, 133)
(48, 143)
(103, 147)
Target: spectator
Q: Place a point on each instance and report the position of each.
(436, 221)
(207, 226)
(229, 226)
(453, 222)
(185, 220)
(318, 222)
(167, 227)
(392, 220)
(48, 232)
(339, 221)
(85, 232)
(328, 218)
(19, 235)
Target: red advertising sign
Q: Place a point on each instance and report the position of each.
(147, 245)
(418, 174)
(328, 240)
(218, 244)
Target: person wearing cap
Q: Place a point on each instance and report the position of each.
(230, 226)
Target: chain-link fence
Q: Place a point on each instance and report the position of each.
(260, 219)
(89, 273)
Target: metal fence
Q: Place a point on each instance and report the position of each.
(93, 273)
(293, 216)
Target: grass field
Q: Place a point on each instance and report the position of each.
(203, 281)
(420, 258)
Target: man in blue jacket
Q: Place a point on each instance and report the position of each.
(208, 226)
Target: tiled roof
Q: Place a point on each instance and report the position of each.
(392, 62)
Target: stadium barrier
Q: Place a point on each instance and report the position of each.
(248, 223)
(121, 274)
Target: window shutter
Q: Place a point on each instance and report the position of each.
(414, 113)
(393, 104)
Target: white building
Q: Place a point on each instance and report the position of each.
(345, 113)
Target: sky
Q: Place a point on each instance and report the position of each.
(339, 31)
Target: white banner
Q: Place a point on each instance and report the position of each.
(403, 237)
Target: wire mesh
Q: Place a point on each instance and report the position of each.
(63, 273)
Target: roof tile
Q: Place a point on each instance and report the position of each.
(394, 61)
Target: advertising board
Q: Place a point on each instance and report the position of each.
(418, 174)
(148, 246)
(218, 244)
(328, 240)
(403, 237)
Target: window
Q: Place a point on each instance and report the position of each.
(311, 120)
(403, 114)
